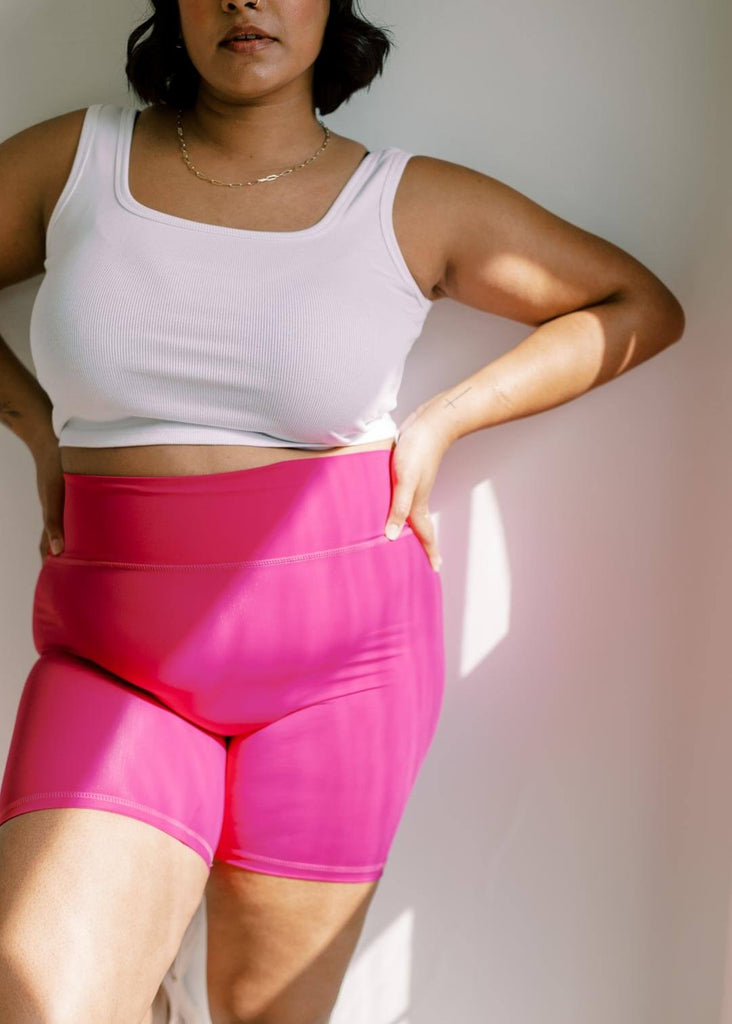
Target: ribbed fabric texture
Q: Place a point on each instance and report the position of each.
(154, 329)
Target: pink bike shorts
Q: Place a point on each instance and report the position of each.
(241, 659)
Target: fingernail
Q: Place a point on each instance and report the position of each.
(393, 530)
(56, 546)
(437, 564)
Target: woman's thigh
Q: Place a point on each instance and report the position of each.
(110, 806)
(279, 947)
(93, 906)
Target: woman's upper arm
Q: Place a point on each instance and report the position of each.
(34, 165)
(505, 254)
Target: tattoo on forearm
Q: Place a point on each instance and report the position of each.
(7, 412)
(426, 405)
(451, 401)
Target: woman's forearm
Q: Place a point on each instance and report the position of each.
(25, 408)
(561, 360)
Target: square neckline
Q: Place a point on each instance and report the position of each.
(127, 200)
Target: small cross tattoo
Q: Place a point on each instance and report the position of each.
(7, 412)
(450, 401)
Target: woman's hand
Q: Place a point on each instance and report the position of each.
(50, 483)
(415, 461)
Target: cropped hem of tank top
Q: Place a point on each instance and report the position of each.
(149, 328)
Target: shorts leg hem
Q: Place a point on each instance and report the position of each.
(116, 804)
(291, 869)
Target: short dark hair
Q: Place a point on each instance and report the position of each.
(352, 55)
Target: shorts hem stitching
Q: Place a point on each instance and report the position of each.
(244, 855)
(104, 797)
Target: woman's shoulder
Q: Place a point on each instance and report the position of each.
(34, 165)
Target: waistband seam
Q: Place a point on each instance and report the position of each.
(63, 559)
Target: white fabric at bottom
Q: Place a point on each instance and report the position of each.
(184, 986)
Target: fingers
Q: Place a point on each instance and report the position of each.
(404, 504)
(52, 540)
(55, 541)
(400, 506)
(51, 490)
(421, 522)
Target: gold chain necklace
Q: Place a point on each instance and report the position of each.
(238, 184)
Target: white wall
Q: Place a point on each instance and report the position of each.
(566, 854)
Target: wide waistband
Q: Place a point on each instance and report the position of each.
(282, 509)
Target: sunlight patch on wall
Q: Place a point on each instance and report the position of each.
(376, 986)
(487, 598)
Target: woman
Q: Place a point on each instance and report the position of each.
(236, 662)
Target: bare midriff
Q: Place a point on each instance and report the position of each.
(191, 459)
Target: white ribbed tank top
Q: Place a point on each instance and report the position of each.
(153, 329)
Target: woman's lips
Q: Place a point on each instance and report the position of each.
(247, 45)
